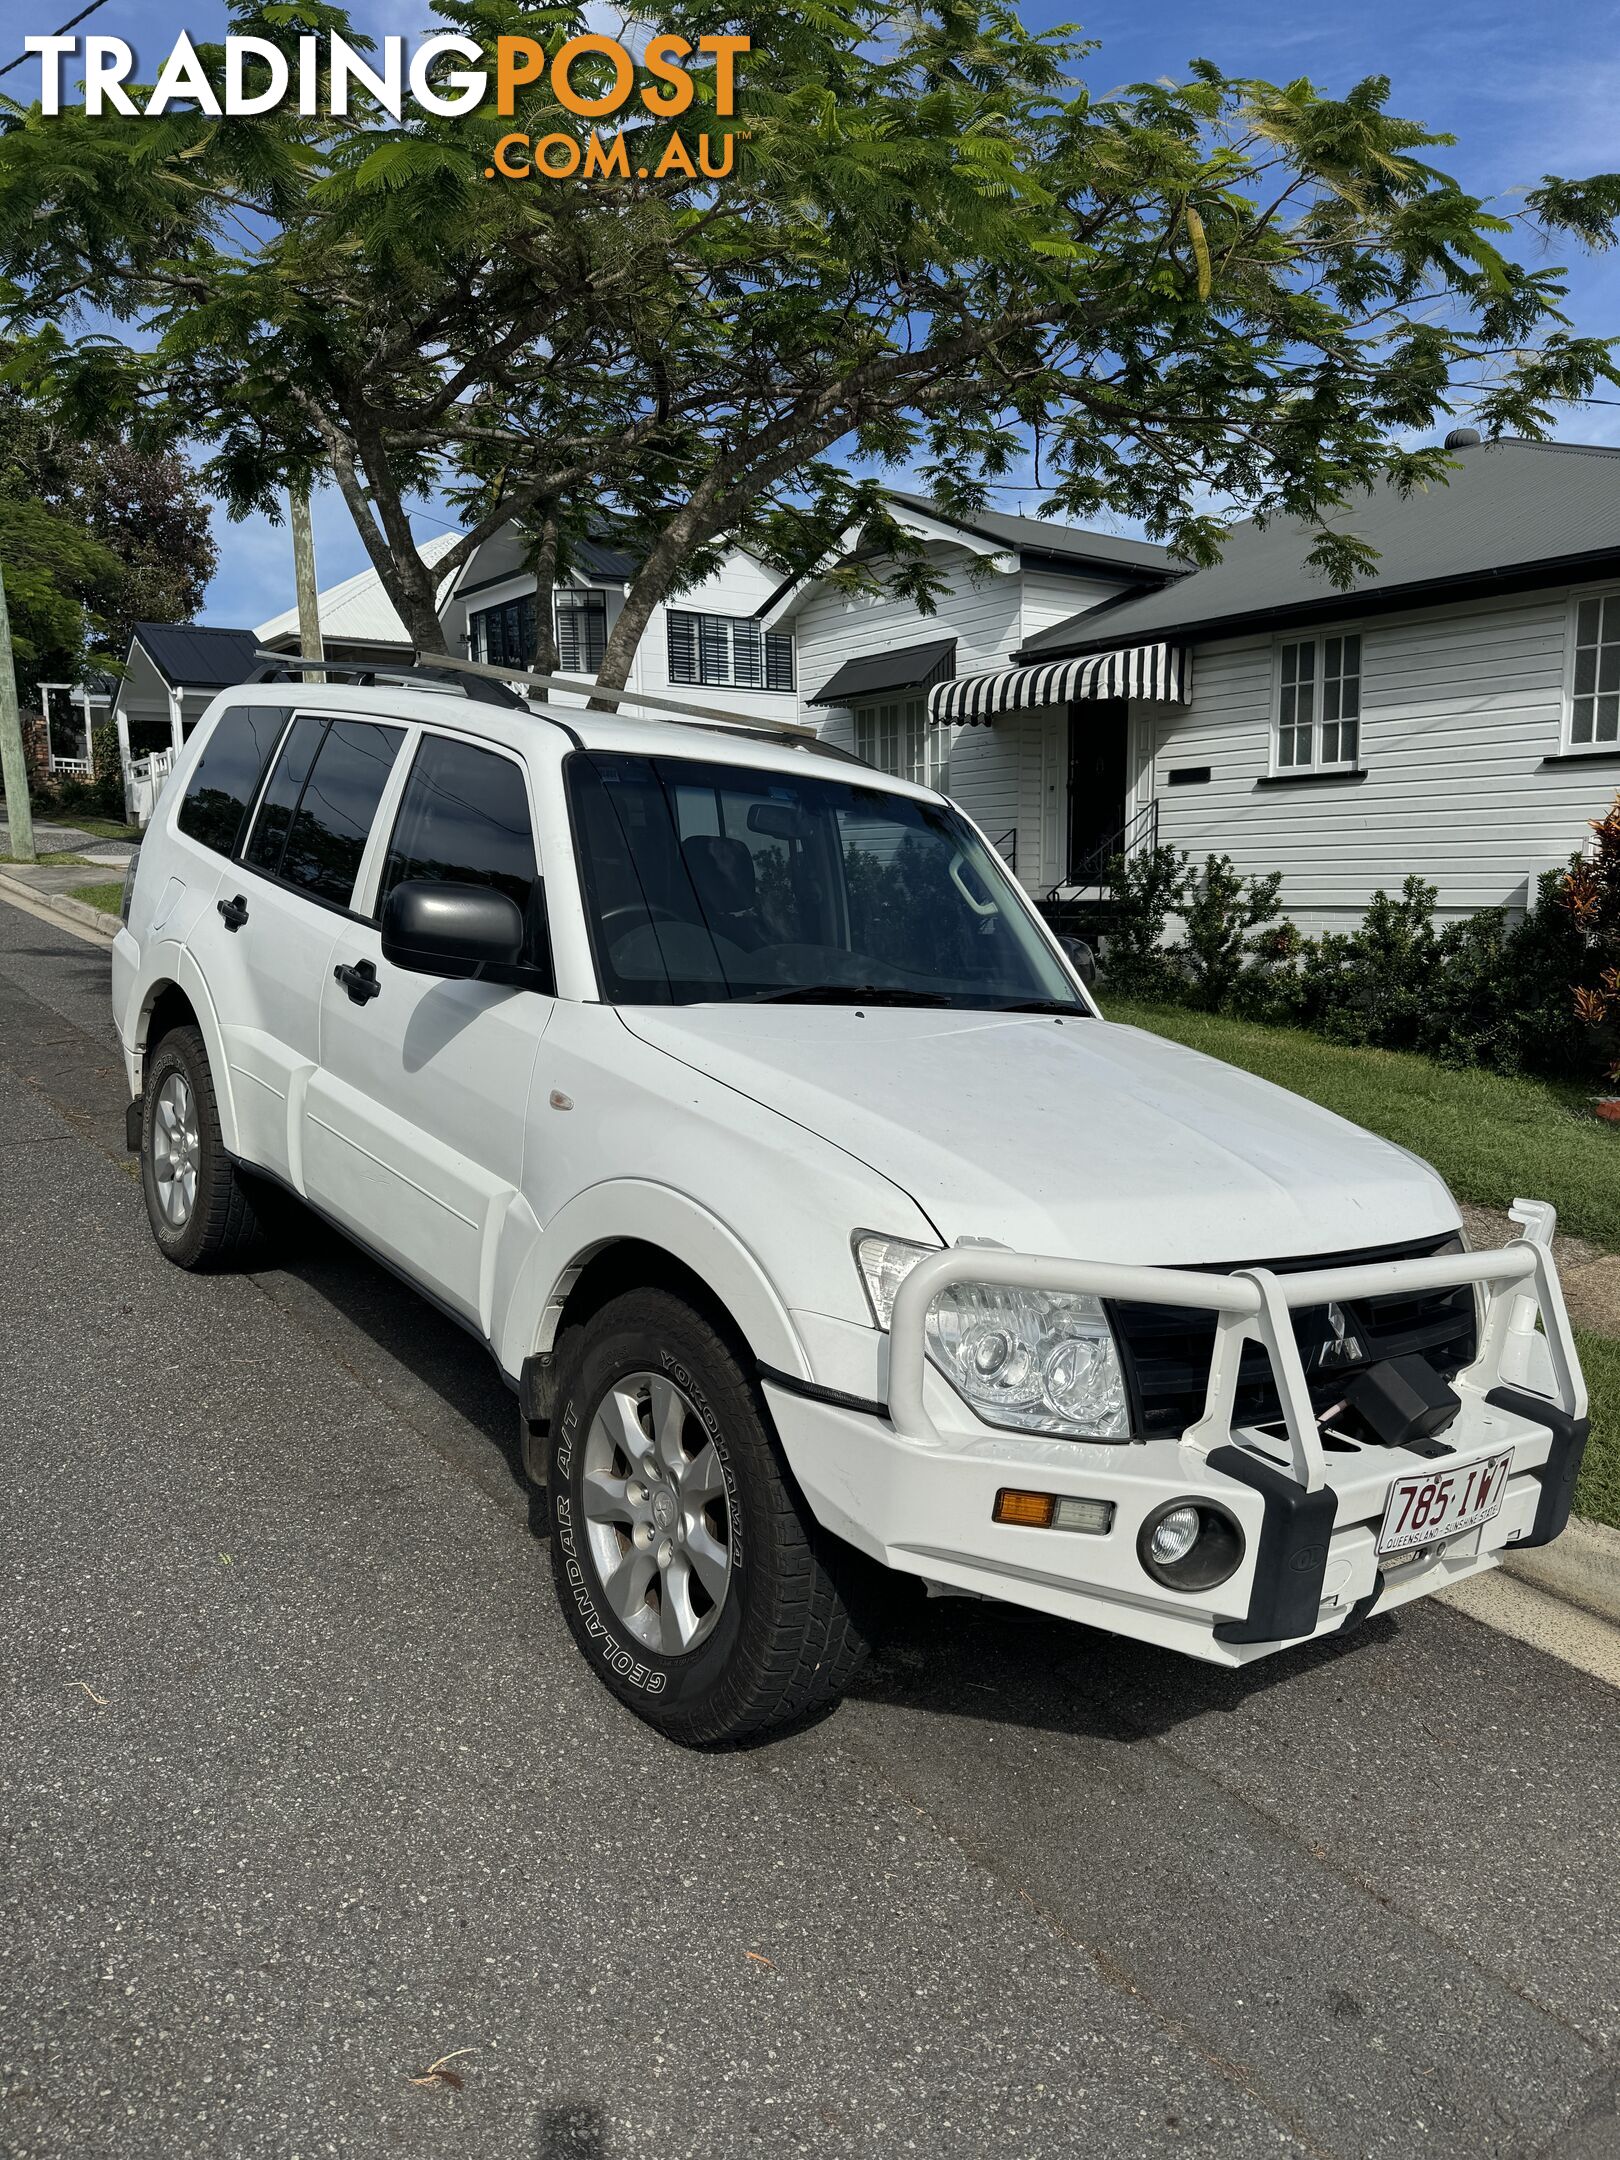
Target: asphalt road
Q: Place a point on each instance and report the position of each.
(303, 1787)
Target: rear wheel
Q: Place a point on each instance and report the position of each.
(196, 1201)
(692, 1577)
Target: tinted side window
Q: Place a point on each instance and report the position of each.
(330, 826)
(464, 820)
(269, 840)
(226, 777)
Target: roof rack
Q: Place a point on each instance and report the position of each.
(434, 674)
(678, 708)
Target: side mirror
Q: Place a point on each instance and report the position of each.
(451, 930)
(1081, 958)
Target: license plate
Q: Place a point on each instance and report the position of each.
(1436, 1504)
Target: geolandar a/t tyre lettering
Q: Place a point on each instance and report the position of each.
(693, 1579)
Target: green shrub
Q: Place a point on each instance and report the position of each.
(1232, 934)
(1148, 889)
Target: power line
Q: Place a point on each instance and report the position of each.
(70, 24)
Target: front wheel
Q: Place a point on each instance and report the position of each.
(693, 1579)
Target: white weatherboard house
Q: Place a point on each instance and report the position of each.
(1456, 714)
(869, 669)
(858, 669)
(710, 643)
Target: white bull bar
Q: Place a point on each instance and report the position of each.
(1253, 1305)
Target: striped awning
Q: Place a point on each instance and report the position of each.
(1163, 672)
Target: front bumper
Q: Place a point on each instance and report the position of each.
(917, 1489)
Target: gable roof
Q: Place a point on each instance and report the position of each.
(1513, 515)
(358, 611)
(195, 656)
(1071, 544)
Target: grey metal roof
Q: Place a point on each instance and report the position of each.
(598, 560)
(1041, 536)
(194, 657)
(1512, 511)
(903, 667)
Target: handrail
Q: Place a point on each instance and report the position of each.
(1140, 830)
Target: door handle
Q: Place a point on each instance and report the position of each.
(234, 911)
(360, 981)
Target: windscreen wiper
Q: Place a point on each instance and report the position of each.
(848, 994)
(1063, 1006)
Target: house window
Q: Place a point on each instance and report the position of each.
(504, 636)
(1594, 706)
(895, 737)
(728, 649)
(1319, 703)
(581, 631)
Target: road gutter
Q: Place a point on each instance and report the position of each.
(62, 909)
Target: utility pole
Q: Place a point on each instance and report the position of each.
(13, 765)
(309, 605)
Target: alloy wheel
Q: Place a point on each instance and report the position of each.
(176, 1150)
(656, 1513)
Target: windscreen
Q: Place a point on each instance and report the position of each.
(708, 882)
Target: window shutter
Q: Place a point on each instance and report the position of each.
(714, 648)
(747, 653)
(683, 658)
(778, 661)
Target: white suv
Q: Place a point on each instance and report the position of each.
(736, 1098)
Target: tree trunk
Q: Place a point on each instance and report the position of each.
(380, 520)
(651, 584)
(543, 659)
(309, 603)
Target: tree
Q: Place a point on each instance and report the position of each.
(933, 246)
(141, 513)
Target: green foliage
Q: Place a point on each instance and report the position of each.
(95, 535)
(1148, 889)
(1484, 989)
(54, 571)
(934, 242)
(1233, 934)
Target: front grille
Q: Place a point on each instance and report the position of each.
(1166, 1349)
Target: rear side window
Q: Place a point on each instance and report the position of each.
(317, 811)
(464, 820)
(225, 779)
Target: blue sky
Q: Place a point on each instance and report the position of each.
(1526, 89)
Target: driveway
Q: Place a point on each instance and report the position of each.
(304, 1789)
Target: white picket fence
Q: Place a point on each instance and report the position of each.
(147, 776)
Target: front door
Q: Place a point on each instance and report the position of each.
(1099, 763)
(414, 1125)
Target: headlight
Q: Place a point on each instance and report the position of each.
(1034, 1360)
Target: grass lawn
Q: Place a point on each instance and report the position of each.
(109, 897)
(1490, 1139)
(56, 862)
(102, 828)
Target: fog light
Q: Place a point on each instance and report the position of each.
(1190, 1545)
(1174, 1536)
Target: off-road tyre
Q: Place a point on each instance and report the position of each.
(790, 1632)
(221, 1228)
